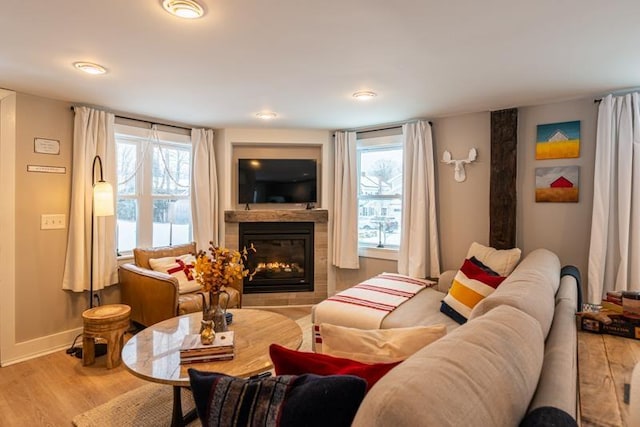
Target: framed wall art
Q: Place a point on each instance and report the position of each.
(557, 184)
(558, 140)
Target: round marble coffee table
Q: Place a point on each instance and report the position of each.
(153, 353)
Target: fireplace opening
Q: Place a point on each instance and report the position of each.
(283, 261)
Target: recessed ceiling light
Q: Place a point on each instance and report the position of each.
(90, 67)
(188, 9)
(364, 95)
(266, 115)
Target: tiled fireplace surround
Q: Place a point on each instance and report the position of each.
(319, 217)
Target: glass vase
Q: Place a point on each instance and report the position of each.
(213, 311)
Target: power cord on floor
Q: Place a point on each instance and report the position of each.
(100, 348)
(73, 350)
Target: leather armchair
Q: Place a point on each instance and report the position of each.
(154, 296)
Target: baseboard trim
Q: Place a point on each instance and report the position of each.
(38, 347)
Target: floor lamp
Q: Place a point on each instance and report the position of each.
(102, 205)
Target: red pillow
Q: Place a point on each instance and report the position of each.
(292, 362)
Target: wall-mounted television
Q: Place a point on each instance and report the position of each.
(277, 181)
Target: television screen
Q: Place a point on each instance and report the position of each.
(277, 181)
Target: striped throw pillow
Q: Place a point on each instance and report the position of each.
(473, 282)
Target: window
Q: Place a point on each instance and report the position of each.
(380, 191)
(153, 194)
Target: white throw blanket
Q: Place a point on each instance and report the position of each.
(365, 305)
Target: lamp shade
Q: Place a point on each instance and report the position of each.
(102, 199)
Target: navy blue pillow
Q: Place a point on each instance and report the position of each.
(446, 309)
(284, 400)
(547, 416)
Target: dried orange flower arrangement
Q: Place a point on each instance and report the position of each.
(222, 267)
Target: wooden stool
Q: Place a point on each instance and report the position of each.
(110, 323)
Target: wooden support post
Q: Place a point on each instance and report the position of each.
(502, 193)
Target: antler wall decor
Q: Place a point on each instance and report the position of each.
(459, 175)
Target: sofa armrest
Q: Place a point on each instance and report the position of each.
(445, 280)
(152, 295)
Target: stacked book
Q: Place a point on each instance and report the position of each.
(613, 302)
(193, 351)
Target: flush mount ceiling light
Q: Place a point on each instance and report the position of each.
(188, 9)
(90, 67)
(266, 115)
(364, 95)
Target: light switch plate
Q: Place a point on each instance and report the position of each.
(52, 221)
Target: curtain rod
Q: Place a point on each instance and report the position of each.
(384, 128)
(144, 121)
(380, 129)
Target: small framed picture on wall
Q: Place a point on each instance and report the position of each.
(558, 184)
(558, 140)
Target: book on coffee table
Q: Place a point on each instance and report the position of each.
(206, 358)
(222, 347)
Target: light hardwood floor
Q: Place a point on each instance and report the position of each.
(51, 390)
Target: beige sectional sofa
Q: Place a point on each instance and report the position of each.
(514, 362)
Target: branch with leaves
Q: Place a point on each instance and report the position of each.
(221, 267)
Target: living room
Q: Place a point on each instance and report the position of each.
(38, 317)
(540, 225)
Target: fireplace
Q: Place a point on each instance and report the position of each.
(284, 259)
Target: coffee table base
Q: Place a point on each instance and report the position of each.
(177, 419)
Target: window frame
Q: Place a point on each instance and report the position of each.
(378, 143)
(143, 193)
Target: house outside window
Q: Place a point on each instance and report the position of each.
(379, 192)
(153, 205)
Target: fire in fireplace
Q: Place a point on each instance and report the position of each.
(283, 261)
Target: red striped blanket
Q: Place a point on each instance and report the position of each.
(364, 306)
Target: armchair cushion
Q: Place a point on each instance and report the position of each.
(180, 267)
(141, 256)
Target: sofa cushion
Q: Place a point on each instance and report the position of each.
(293, 362)
(422, 309)
(180, 267)
(473, 282)
(288, 400)
(377, 345)
(530, 288)
(483, 373)
(503, 261)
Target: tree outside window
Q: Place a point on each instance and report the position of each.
(379, 192)
(153, 202)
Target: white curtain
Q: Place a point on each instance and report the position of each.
(614, 253)
(93, 134)
(345, 202)
(419, 254)
(204, 189)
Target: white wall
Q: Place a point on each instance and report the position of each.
(564, 228)
(463, 206)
